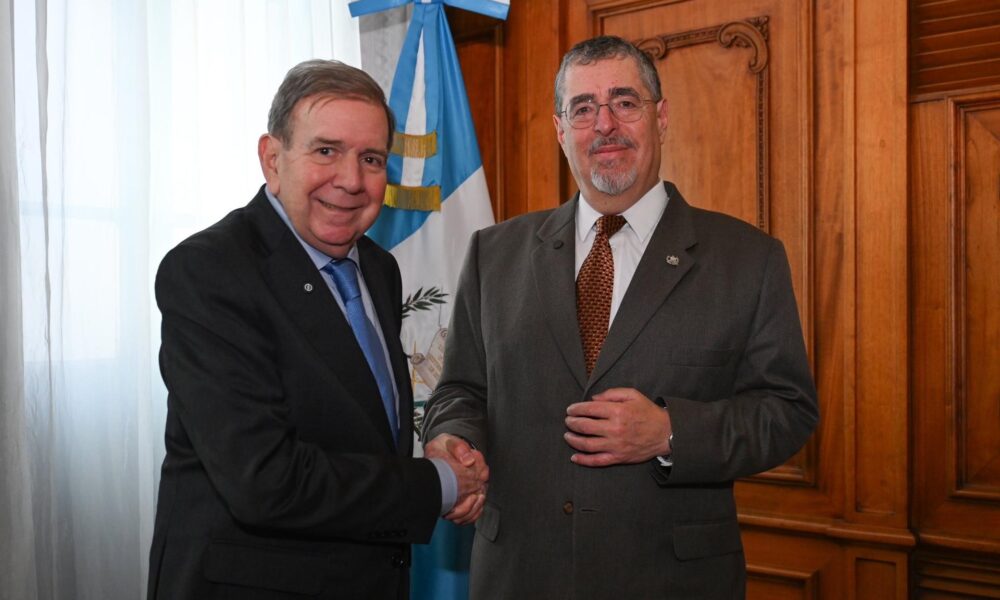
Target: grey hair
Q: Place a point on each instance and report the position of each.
(603, 48)
(323, 78)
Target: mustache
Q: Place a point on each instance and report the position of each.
(613, 140)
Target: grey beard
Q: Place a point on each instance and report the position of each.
(613, 184)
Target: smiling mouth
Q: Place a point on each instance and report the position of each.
(329, 206)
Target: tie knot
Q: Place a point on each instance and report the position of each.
(610, 224)
(345, 277)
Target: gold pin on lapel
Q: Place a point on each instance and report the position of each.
(673, 261)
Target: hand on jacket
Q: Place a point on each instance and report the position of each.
(619, 426)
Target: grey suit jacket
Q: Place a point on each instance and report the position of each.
(716, 336)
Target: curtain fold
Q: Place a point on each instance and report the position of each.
(16, 531)
(125, 125)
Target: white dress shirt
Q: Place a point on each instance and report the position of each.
(628, 245)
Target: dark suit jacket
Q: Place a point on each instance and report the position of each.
(716, 335)
(280, 476)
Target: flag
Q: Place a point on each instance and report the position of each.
(436, 198)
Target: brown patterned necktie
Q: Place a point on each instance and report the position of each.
(594, 285)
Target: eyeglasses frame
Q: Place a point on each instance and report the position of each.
(597, 112)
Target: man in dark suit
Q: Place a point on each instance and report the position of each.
(619, 360)
(288, 471)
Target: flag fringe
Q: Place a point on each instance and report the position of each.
(425, 198)
(414, 146)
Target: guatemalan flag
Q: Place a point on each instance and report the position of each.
(435, 200)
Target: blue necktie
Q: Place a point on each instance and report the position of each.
(345, 277)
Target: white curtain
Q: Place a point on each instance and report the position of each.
(125, 125)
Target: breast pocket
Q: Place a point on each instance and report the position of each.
(690, 356)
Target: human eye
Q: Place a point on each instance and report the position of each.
(581, 109)
(373, 161)
(626, 103)
(325, 153)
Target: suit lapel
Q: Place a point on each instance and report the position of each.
(655, 277)
(383, 299)
(553, 267)
(303, 294)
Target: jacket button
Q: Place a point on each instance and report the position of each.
(397, 561)
(568, 507)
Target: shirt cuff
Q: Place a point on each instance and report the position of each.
(668, 460)
(449, 484)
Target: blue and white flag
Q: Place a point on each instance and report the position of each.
(436, 198)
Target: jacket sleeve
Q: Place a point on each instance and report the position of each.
(458, 404)
(773, 409)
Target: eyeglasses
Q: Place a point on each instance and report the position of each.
(583, 113)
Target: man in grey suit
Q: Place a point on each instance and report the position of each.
(619, 361)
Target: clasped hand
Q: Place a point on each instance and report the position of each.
(471, 470)
(619, 426)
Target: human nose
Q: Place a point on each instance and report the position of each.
(604, 121)
(348, 176)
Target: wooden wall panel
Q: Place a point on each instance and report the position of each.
(781, 584)
(877, 574)
(793, 566)
(732, 60)
(954, 286)
(479, 44)
(788, 565)
(956, 322)
(977, 437)
(880, 172)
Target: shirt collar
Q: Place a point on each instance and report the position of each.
(642, 216)
(319, 258)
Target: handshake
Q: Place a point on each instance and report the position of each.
(471, 470)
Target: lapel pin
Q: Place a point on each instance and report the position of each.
(673, 261)
(308, 288)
